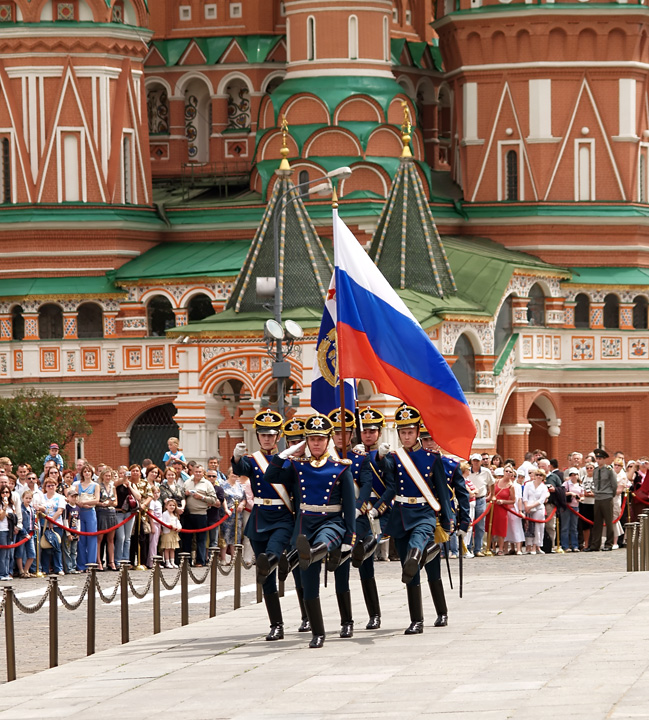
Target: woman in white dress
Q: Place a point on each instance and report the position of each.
(535, 494)
(515, 533)
(622, 484)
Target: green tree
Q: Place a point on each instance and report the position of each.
(32, 420)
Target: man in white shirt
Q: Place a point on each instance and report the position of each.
(528, 466)
(483, 481)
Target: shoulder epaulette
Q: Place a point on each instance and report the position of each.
(343, 461)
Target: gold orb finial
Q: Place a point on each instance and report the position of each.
(406, 131)
(284, 151)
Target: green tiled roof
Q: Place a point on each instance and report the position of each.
(91, 215)
(609, 276)
(85, 285)
(417, 51)
(333, 90)
(406, 246)
(231, 323)
(256, 48)
(193, 259)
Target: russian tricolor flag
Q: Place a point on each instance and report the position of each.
(380, 339)
(325, 385)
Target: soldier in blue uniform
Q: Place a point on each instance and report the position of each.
(326, 514)
(460, 499)
(271, 521)
(372, 422)
(361, 473)
(294, 435)
(418, 487)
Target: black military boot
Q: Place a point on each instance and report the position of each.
(266, 563)
(371, 595)
(336, 558)
(431, 551)
(314, 613)
(439, 601)
(416, 609)
(345, 608)
(308, 554)
(305, 626)
(287, 563)
(411, 565)
(274, 610)
(363, 550)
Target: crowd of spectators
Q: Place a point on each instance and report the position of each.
(140, 509)
(580, 507)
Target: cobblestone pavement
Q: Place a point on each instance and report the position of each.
(31, 630)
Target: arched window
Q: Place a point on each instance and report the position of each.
(444, 120)
(310, 38)
(511, 177)
(160, 316)
(90, 321)
(238, 105)
(17, 323)
(233, 391)
(464, 366)
(199, 307)
(640, 312)
(352, 37)
(50, 322)
(611, 311)
(582, 311)
(303, 177)
(5, 171)
(157, 105)
(151, 431)
(536, 306)
(291, 392)
(198, 120)
(504, 327)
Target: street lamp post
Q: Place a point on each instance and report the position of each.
(276, 332)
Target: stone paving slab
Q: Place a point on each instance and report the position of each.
(520, 646)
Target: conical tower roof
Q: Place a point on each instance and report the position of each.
(406, 246)
(304, 267)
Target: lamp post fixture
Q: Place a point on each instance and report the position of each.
(275, 332)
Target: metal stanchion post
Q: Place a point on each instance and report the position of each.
(92, 609)
(214, 572)
(628, 535)
(139, 559)
(558, 548)
(238, 558)
(491, 520)
(184, 588)
(645, 540)
(156, 593)
(10, 637)
(37, 527)
(54, 621)
(634, 542)
(124, 599)
(642, 543)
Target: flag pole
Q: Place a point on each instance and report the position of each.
(341, 379)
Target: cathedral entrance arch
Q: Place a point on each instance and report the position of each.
(150, 433)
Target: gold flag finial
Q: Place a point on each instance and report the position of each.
(284, 165)
(406, 130)
(334, 197)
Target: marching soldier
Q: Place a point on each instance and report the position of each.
(326, 515)
(362, 476)
(418, 487)
(363, 553)
(458, 492)
(271, 521)
(294, 434)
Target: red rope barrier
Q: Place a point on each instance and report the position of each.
(619, 517)
(19, 543)
(578, 514)
(89, 534)
(640, 500)
(590, 522)
(477, 520)
(183, 530)
(524, 517)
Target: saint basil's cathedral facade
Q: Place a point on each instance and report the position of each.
(140, 194)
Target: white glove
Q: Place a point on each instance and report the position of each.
(345, 548)
(373, 514)
(293, 450)
(358, 513)
(240, 450)
(359, 449)
(384, 449)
